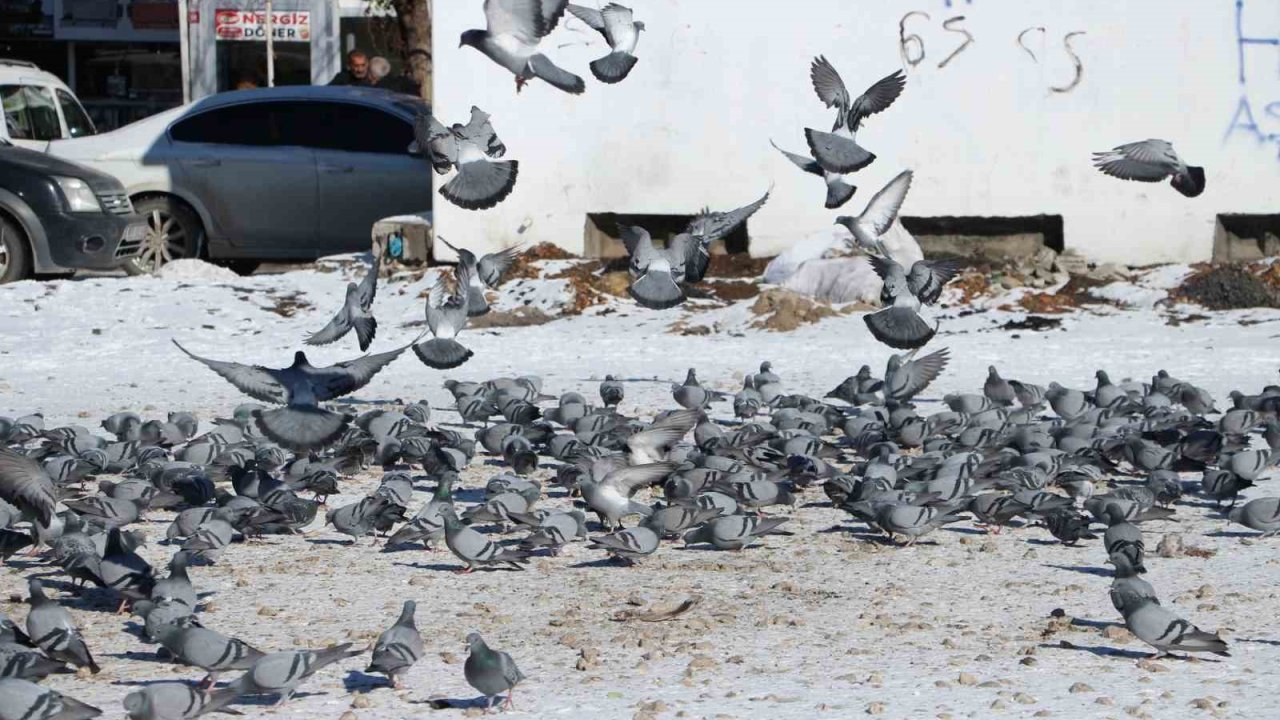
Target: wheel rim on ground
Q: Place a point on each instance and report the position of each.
(4, 254)
(166, 241)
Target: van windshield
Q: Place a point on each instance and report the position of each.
(78, 122)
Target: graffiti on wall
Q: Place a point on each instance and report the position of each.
(1254, 119)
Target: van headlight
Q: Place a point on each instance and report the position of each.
(78, 194)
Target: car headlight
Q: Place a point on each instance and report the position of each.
(78, 194)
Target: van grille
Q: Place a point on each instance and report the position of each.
(116, 203)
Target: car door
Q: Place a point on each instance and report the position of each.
(364, 170)
(257, 184)
(30, 115)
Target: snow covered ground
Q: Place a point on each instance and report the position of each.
(824, 622)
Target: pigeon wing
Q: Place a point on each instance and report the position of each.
(493, 266)
(337, 327)
(436, 142)
(369, 285)
(828, 85)
(883, 208)
(924, 371)
(878, 97)
(806, 164)
(927, 278)
(521, 18)
(347, 377)
(27, 486)
(1146, 161)
(619, 25)
(629, 480)
(592, 17)
(255, 381)
(708, 227)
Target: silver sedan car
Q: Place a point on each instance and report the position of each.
(286, 173)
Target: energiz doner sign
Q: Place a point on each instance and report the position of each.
(286, 26)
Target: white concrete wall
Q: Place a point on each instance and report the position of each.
(985, 135)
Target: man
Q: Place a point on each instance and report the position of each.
(357, 72)
(407, 82)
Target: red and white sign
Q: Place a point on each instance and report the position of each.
(251, 25)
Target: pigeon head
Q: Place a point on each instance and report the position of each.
(1236, 514)
(474, 38)
(1190, 184)
(638, 25)
(300, 359)
(846, 221)
(475, 642)
(135, 704)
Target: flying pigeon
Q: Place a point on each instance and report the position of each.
(355, 313)
(484, 273)
(839, 191)
(899, 325)
(657, 274)
(838, 150)
(879, 214)
(492, 672)
(904, 378)
(621, 31)
(446, 317)
(1151, 161)
(482, 182)
(302, 424)
(707, 227)
(514, 30)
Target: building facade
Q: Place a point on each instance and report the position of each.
(1004, 104)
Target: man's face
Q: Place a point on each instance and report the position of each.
(359, 66)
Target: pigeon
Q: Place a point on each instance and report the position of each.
(997, 389)
(24, 663)
(156, 615)
(483, 180)
(707, 227)
(1160, 628)
(859, 389)
(427, 526)
(673, 520)
(302, 424)
(839, 191)
(904, 378)
(177, 586)
(628, 545)
(655, 442)
(446, 317)
(280, 673)
(475, 549)
(621, 31)
(484, 273)
(1126, 586)
(552, 530)
(50, 627)
(838, 150)
(1262, 514)
(210, 651)
(125, 571)
(355, 313)
(1067, 525)
(1151, 161)
(656, 273)
(611, 392)
(174, 701)
(691, 395)
(398, 647)
(609, 489)
(910, 520)
(899, 325)
(492, 672)
(733, 532)
(357, 519)
(26, 485)
(24, 700)
(879, 215)
(1123, 538)
(514, 29)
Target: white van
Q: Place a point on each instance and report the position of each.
(38, 107)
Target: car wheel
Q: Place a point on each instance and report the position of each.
(244, 268)
(173, 233)
(15, 256)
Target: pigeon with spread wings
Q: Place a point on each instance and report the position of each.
(482, 181)
(707, 227)
(1151, 161)
(620, 29)
(899, 325)
(446, 317)
(838, 191)
(879, 215)
(355, 313)
(514, 28)
(485, 272)
(657, 273)
(838, 150)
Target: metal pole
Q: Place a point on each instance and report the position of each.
(271, 50)
(184, 49)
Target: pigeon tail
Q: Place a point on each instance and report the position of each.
(656, 290)
(838, 193)
(482, 184)
(442, 353)
(542, 68)
(900, 328)
(837, 154)
(614, 67)
(301, 427)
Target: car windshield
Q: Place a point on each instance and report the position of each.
(78, 122)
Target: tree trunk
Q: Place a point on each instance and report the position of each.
(414, 19)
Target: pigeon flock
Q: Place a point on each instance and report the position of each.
(717, 470)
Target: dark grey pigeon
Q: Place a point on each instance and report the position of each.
(839, 191)
(619, 28)
(355, 313)
(446, 317)
(125, 571)
(838, 150)
(24, 700)
(492, 672)
(611, 392)
(904, 378)
(398, 647)
(706, 228)
(656, 273)
(483, 273)
(50, 627)
(483, 180)
(1151, 161)
(514, 30)
(302, 424)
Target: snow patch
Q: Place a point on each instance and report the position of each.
(193, 270)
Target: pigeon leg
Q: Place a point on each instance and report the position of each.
(284, 698)
(464, 571)
(124, 605)
(519, 84)
(510, 703)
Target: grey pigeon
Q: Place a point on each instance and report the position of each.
(302, 424)
(485, 272)
(24, 663)
(911, 520)
(1262, 514)
(11, 633)
(427, 526)
(50, 627)
(514, 29)
(1126, 586)
(177, 586)
(210, 651)
(1151, 161)
(628, 545)
(25, 485)
(610, 488)
(357, 519)
(838, 150)
(654, 443)
(156, 615)
(879, 214)
(733, 532)
(1160, 628)
(398, 647)
(997, 389)
(213, 535)
(619, 28)
(839, 191)
(124, 571)
(446, 317)
(483, 180)
(355, 313)
(553, 530)
(707, 227)
(673, 520)
(611, 392)
(904, 378)
(281, 673)
(174, 701)
(1123, 538)
(475, 549)
(492, 672)
(657, 273)
(23, 700)
(899, 325)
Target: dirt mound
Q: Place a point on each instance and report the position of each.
(1072, 295)
(1232, 287)
(783, 311)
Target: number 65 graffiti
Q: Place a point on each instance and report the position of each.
(913, 53)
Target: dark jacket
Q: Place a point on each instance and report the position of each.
(346, 78)
(401, 84)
